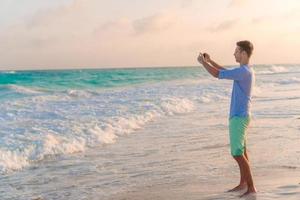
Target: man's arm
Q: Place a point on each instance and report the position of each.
(213, 63)
(212, 70)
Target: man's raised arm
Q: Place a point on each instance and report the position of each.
(213, 63)
(212, 70)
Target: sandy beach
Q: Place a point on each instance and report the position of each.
(273, 180)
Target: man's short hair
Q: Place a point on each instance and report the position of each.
(246, 46)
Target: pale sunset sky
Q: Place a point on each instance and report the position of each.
(41, 34)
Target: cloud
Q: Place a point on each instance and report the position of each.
(77, 35)
(223, 26)
(118, 26)
(103, 34)
(154, 23)
(147, 25)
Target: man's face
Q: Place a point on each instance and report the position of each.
(238, 54)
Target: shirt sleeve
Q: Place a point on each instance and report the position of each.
(232, 74)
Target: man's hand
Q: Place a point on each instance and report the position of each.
(207, 57)
(205, 61)
(204, 58)
(201, 58)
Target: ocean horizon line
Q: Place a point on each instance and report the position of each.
(125, 68)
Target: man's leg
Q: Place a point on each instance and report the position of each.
(247, 175)
(237, 130)
(243, 181)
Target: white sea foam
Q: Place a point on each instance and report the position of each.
(278, 69)
(209, 98)
(274, 69)
(12, 160)
(8, 72)
(104, 135)
(177, 105)
(79, 93)
(289, 80)
(23, 90)
(89, 134)
(53, 145)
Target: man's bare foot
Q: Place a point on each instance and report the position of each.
(249, 191)
(241, 186)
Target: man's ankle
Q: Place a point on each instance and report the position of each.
(243, 183)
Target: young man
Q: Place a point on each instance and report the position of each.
(243, 77)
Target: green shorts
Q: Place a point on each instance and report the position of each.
(237, 132)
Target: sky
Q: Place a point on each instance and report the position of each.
(54, 34)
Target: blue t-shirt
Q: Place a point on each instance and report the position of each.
(244, 78)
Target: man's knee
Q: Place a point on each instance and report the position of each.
(238, 157)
